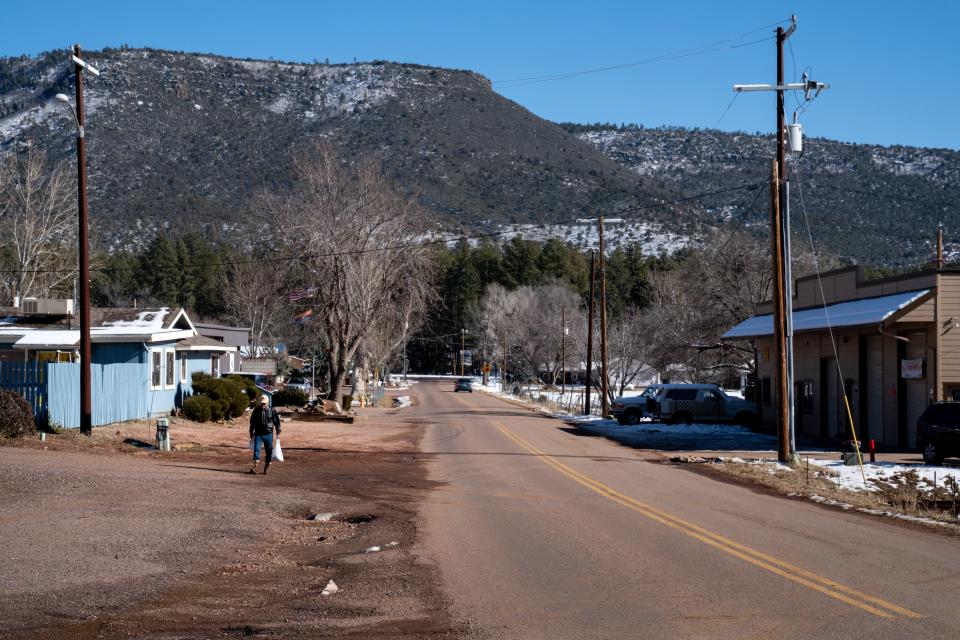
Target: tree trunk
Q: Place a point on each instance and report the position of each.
(337, 374)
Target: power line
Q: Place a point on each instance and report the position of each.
(723, 115)
(522, 82)
(720, 45)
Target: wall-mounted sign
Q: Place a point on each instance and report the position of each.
(911, 369)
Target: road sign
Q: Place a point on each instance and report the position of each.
(486, 368)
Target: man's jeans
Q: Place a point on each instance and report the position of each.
(267, 442)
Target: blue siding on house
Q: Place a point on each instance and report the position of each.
(197, 361)
(120, 352)
(122, 390)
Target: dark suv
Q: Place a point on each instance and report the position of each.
(938, 432)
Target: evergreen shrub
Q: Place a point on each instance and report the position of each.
(228, 399)
(197, 408)
(290, 398)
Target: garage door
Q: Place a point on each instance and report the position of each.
(916, 390)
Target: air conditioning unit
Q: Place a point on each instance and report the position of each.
(47, 307)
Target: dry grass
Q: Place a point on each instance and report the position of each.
(902, 494)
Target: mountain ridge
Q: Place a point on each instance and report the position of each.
(181, 141)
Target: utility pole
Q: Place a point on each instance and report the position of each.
(940, 246)
(604, 409)
(83, 238)
(780, 247)
(406, 335)
(563, 352)
(587, 409)
(503, 370)
(463, 354)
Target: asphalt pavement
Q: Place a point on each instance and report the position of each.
(543, 530)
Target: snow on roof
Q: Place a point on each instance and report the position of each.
(842, 314)
(65, 338)
(149, 319)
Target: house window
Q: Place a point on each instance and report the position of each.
(171, 371)
(765, 391)
(806, 396)
(157, 365)
(215, 366)
(183, 367)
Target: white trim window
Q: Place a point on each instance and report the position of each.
(183, 367)
(170, 369)
(156, 369)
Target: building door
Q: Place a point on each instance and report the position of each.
(915, 392)
(829, 395)
(873, 386)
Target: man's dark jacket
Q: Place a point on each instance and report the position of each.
(263, 421)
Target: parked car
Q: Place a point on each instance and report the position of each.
(463, 384)
(938, 432)
(300, 384)
(262, 380)
(673, 403)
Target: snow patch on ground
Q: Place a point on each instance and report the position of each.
(281, 105)
(849, 477)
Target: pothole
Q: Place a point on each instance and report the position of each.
(359, 518)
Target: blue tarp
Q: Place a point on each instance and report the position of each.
(841, 314)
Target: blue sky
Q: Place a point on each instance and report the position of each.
(891, 64)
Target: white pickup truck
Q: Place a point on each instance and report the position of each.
(672, 403)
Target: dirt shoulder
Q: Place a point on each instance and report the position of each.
(106, 539)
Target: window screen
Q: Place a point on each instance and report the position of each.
(157, 364)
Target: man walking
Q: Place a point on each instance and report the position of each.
(262, 423)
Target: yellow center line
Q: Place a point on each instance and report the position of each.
(774, 565)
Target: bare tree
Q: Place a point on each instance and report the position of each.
(713, 290)
(631, 341)
(529, 318)
(38, 217)
(357, 239)
(254, 298)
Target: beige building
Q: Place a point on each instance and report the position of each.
(897, 341)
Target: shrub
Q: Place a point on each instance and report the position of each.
(227, 396)
(290, 398)
(201, 382)
(218, 409)
(248, 385)
(197, 408)
(16, 416)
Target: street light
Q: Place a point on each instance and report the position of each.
(86, 413)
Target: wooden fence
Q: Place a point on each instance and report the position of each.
(29, 380)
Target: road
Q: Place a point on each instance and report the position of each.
(540, 531)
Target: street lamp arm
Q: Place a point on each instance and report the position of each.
(73, 112)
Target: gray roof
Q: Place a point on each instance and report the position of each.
(841, 314)
(202, 343)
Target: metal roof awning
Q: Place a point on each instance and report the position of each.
(203, 343)
(841, 314)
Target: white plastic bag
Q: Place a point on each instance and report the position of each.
(277, 452)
